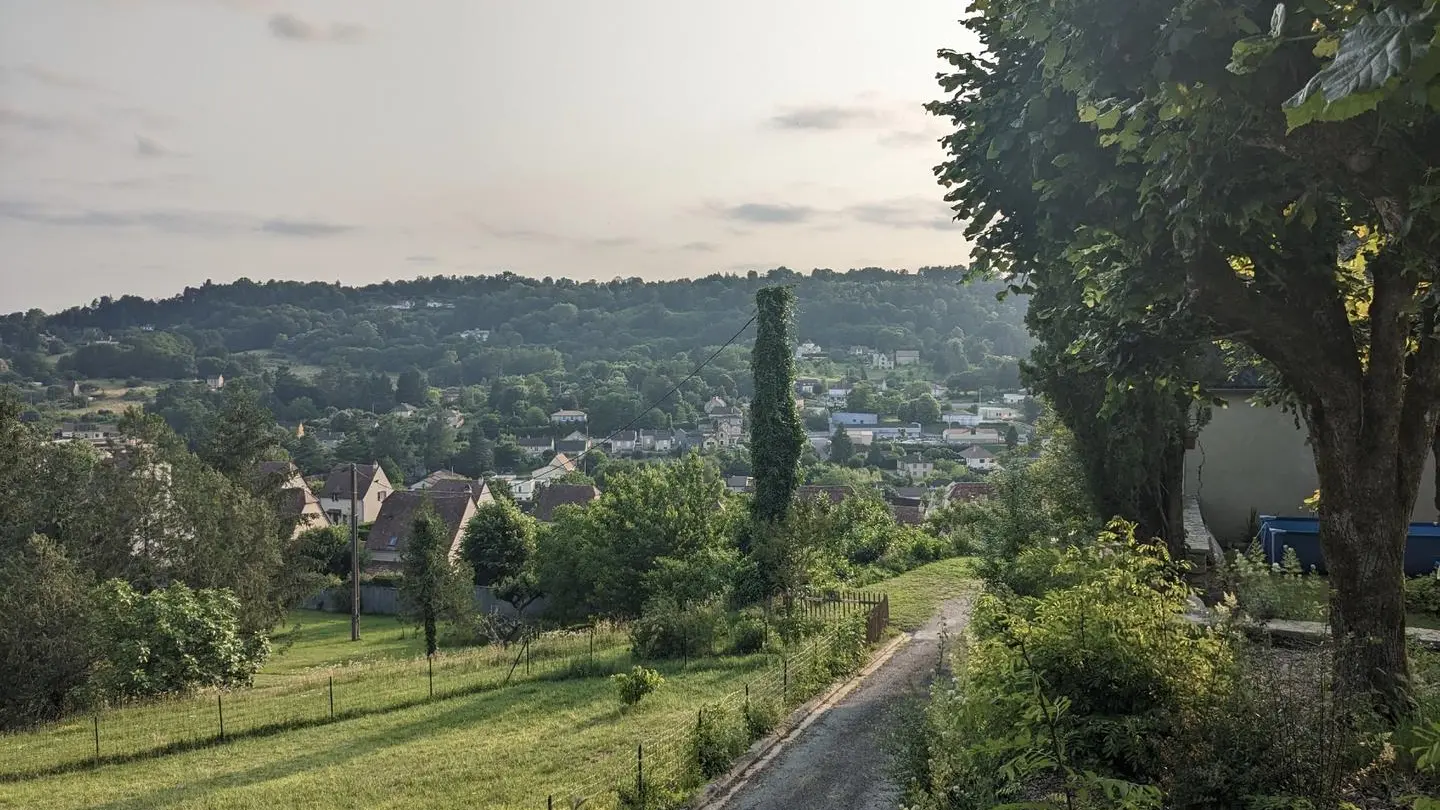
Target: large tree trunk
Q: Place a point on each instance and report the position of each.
(1367, 495)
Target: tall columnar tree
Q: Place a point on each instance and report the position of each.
(1259, 173)
(433, 587)
(776, 434)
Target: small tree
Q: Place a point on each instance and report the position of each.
(1012, 437)
(433, 587)
(499, 545)
(841, 447)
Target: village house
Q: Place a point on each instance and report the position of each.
(960, 418)
(372, 488)
(715, 405)
(556, 467)
(979, 459)
(522, 489)
(737, 484)
(296, 501)
(404, 410)
(972, 436)
(567, 417)
(573, 446)
(534, 446)
(881, 360)
(897, 430)
(215, 383)
(806, 386)
(808, 349)
(1015, 399)
(916, 466)
(853, 419)
(481, 335)
(88, 432)
(656, 441)
(550, 497)
(624, 441)
(833, 493)
(478, 491)
(968, 491)
(390, 535)
(995, 413)
(907, 357)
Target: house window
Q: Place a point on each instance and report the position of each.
(391, 544)
(334, 515)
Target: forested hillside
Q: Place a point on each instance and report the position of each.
(534, 326)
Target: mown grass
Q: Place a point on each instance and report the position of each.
(314, 638)
(916, 594)
(504, 749)
(473, 746)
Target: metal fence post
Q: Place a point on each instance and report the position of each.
(592, 646)
(431, 660)
(527, 656)
(97, 737)
(640, 772)
(220, 706)
(550, 803)
(332, 697)
(784, 679)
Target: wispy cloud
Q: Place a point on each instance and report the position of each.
(288, 26)
(34, 122)
(904, 214)
(151, 148)
(700, 247)
(767, 213)
(167, 221)
(308, 228)
(553, 238)
(828, 117)
(51, 78)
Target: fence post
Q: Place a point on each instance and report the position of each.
(550, 803)
(784, 679)
(592, 647)
(220, 706)
(332, 697)
(97, 737)
(640, 772)
(431, 660)
(527, 656)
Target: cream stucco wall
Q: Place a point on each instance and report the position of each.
(1255, 457)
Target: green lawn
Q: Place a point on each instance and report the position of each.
(915, 595)
(314, 638)
(475, 745)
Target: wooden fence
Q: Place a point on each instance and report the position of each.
(831, 605)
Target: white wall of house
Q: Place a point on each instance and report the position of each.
(1252, 457)
(338, 509)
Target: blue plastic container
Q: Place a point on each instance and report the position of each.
(1422, 547)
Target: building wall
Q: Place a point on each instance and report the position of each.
(1255, 457)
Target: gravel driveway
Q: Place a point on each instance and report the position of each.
(841, 761)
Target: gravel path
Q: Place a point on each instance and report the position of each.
(840, 762)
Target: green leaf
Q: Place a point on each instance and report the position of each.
(1108, 119)
(1247, 54)
(1378, 48)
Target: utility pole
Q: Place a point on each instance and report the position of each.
(354, 555)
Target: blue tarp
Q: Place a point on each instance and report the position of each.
(1422, 547)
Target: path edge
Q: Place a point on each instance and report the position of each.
(720, 791)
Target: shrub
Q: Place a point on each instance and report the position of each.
(1278, 591)
(1422, 595)
(173, 640)
(718, 738)
(760, 717)
(747, 635)
(671, 630)
(636, 684)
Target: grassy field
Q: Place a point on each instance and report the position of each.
(391, 746)
(915, 595)
(314, 638)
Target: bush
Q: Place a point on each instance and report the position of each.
(173, 640)
(636, 684)
(670, 630)
(719, 737)
(760, 717)
(1278, 591)
(747, 635)
(1422, 595)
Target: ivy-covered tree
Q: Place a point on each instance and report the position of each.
(776, 435)
(433, 586)
(1238, 171)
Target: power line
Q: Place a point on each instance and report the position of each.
(688, 377)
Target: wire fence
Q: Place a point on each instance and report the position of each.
(277, 702)
(664, 769)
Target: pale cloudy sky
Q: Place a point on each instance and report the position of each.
(150, 144)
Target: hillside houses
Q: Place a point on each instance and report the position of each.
(371, 489)
(389, 537)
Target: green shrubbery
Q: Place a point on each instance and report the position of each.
(1278, 591)
(636, 684)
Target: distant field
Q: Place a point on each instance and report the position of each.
(494, 748)
(271, 360)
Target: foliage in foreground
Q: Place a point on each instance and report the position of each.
(1095, 692)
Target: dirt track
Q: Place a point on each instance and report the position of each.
(841, 761)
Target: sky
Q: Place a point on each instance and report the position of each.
(146, 145)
